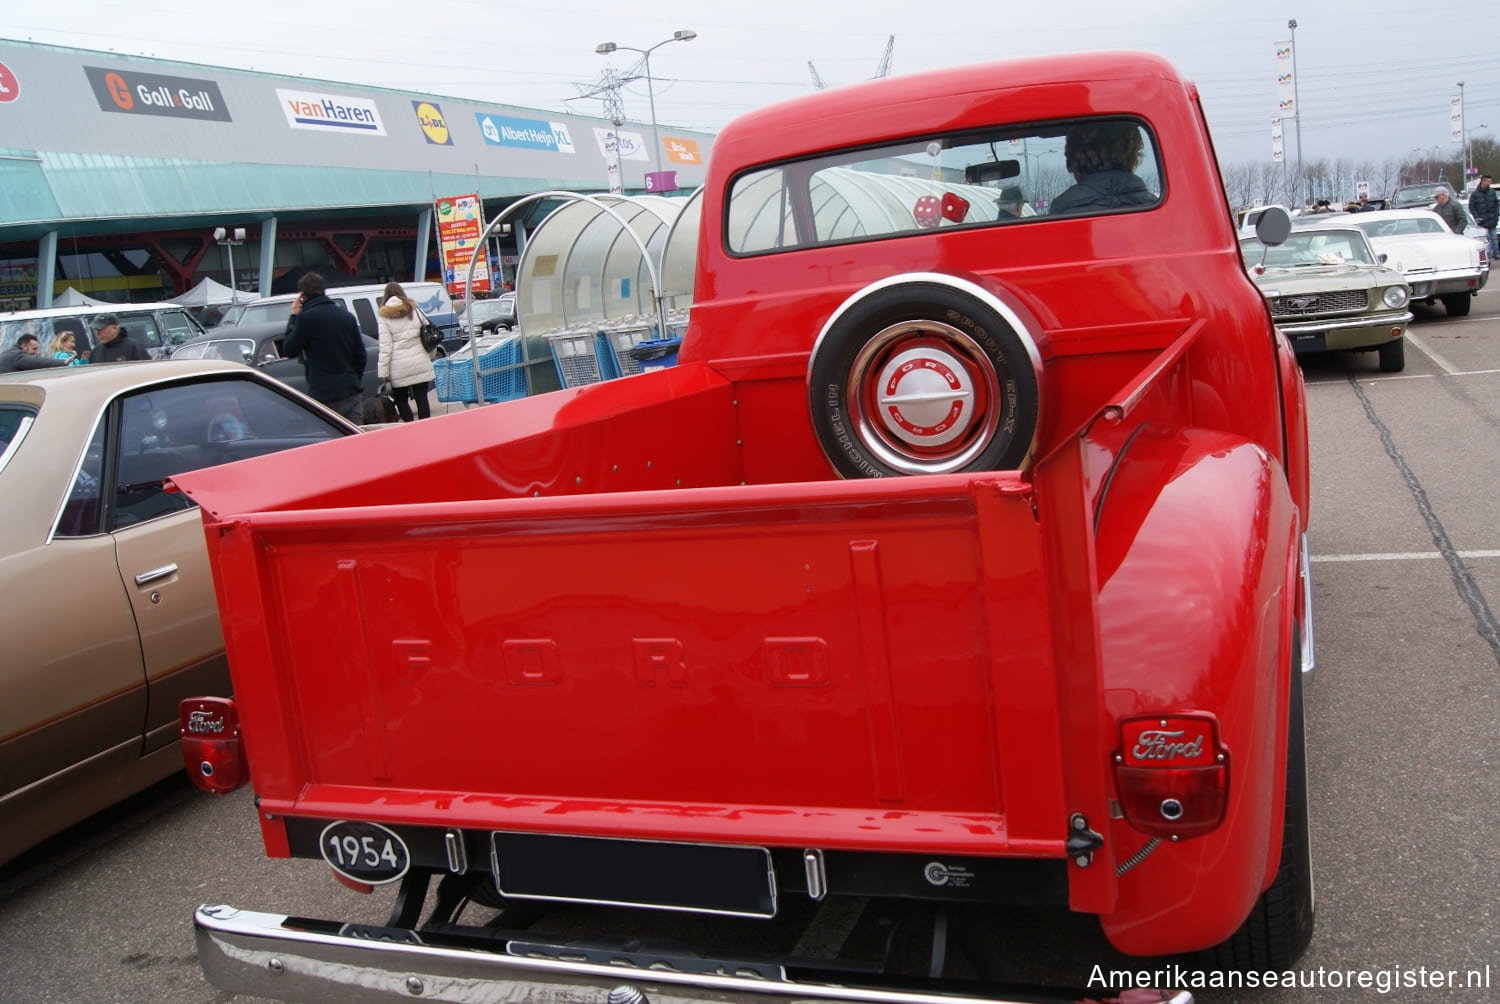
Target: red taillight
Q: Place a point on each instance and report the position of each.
(209, 728)
(1172, 776)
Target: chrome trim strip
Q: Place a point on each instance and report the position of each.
(23, 427)
(269, 955)
(458, 854)
(1309, 657)
(1376, 321)
(817, 873)
(156, 573)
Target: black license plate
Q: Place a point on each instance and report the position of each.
(702, 878)
(1303, 344)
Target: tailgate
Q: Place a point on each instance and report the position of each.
(867, 661)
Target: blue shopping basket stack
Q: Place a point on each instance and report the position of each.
(613, 348)
(454, 378)
(573, 354)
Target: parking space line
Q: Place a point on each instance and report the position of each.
(1426, 351)
(1403, 556)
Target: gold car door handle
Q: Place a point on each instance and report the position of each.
(155, 573)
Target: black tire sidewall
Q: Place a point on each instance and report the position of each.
(830, 396)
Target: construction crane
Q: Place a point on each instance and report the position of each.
(882, 70)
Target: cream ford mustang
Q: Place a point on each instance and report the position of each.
(1437, 263)
(1328, 290)
(109, 614)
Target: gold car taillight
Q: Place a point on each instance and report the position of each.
(209, 728)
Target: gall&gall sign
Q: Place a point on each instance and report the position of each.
(131, 93)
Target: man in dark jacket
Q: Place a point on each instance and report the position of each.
(114, 345)
(23, 356)
(327, 338)
(1484, 206)
(1452, 212)
(1102, 157)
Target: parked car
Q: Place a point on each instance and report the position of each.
(259, 345)
(109, 614)
(1329, 291)
(363, 301)
(156, 327)
(1437, 264)
(1420, 195)
(488, 315)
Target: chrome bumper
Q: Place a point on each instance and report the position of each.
(1380, 322)
(1432, 284)
(270, 955)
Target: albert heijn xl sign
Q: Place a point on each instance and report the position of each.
(134, 93)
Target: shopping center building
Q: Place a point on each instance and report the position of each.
(118, 172)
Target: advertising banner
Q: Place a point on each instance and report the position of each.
(1456, 118)
(330, 112)
(134, 93)
(525, 134)
(1278, 152)
(629, 145)
(460, 221)
(1286, 102)
(681, 151)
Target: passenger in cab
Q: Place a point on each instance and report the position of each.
(1102, 157)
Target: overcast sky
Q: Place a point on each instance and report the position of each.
(1374, 77)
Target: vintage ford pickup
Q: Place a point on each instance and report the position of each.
(960, 562)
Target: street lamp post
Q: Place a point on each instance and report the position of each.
(605, 48)
(229, 240)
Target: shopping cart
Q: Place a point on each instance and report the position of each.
(454, 378)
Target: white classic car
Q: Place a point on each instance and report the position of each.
(1438, 264)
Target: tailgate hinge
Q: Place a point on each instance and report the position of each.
(1082, 841)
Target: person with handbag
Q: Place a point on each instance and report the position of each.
(404, 362)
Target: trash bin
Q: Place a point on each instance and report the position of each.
(656, 354)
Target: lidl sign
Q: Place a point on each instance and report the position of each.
(434, 126)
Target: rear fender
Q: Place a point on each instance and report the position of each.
(1197, 543)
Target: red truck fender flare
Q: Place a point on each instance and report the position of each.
(1203, 522)
(925, 373)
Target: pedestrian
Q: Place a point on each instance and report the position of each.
(1451, 211)
(24, 356)
(115, 345)
(327, 338)
(403, 360)
(1484, 206)
(64, 346)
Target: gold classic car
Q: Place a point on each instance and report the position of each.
(1328, 291)
(109, 614)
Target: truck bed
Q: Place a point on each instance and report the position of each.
(827, 652)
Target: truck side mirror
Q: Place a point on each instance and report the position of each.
(1273, 227)
(1272, 230)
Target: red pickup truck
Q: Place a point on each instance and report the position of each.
(959, 562)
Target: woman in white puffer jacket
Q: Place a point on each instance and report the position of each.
(403, 361)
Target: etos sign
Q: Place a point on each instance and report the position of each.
(153, 94)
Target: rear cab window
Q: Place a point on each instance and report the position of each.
(1006, 176)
